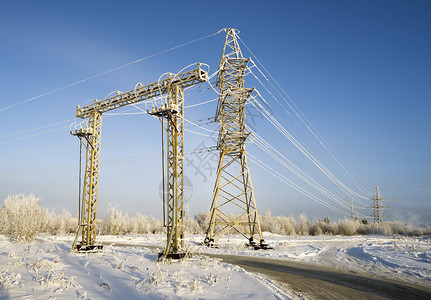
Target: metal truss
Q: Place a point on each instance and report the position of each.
(141, 93)
(172, 112)
(233, 206)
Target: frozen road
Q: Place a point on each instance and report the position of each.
(318, 282)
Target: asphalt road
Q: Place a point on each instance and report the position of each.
(318, 282)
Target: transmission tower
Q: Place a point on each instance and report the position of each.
(351, 209)
(377, 207)
(233, 206)
(171, 113)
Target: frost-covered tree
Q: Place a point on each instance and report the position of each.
(4, 224)
(278, 224)
(316, 230)
(141, 225)
(62, 224)
(156, 225)
(114, 223)
(203, 220)
(192, 226)
(25, 216)
(304, 226)
(348, 227)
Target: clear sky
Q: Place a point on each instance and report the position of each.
(359, 71)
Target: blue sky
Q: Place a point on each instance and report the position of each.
(358, 71)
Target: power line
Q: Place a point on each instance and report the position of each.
(298, 113)
(109, 71)
(33, 135)
(271, 151)
(34, 129)
(300, 147)
(293, 185)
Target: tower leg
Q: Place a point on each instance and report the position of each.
(87, 223)
(234, 206)
(175, 173)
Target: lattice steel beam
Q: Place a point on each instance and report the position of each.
(152, 90)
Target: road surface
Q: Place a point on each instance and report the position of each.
(318, 282)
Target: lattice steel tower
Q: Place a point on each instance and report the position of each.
(377, 206)
(233, 206)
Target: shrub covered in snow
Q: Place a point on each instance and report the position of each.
(117, 223)
(348, 227)
(23, 216)
(203, 220)
(287, 226)
(4, 225)
(62, 224)
(278, 224)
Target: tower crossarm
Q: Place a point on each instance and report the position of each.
(230, 77)
(141, 93)
(233, 133)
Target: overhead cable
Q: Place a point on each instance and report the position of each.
(109, 71)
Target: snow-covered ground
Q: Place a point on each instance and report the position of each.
(47, 269)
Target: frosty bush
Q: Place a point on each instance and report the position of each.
(304, 226)
(140, 224)
(4, 225)
(286, 226)
(62, 224)
(348, 227)
(116, 223)
(203, 220)
(316, 230)
(192, 226)
(278, 225)
(24, 216)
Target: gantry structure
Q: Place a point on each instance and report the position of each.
(233, 205)
(171, 112)
(377, 207)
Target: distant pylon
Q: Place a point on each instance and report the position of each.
(233, 206)
(351, 209)
(377, 207)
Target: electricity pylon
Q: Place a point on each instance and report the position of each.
(172, 111)
(377, 207)
(233, 191)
